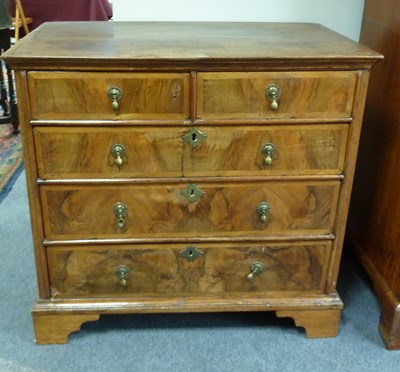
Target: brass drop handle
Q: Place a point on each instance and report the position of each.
(114, 93)
(122, 273)
(121, 211)
(256, 269)
(263, 210)
(269, 151)
(273, 92)
(118, 151)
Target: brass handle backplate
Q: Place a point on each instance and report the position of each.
(256, 269)
(270, 152)
(122, 273)
(114, 94)
(273, 92)
(263, 210)
(118, 152)
(121, 211)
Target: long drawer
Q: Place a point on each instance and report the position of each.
(145, 270)
(311, 94)
(90, 95)
(118, 152)
(187, 209)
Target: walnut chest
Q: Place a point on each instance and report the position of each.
(188, 167)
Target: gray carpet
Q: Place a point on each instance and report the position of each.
(176, 342)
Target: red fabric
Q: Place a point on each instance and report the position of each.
(65, 10)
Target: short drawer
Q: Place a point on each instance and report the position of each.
(267, 150)
(301, 95)
(117, 152)
(89, 96)
(187, 209)
(145, 270)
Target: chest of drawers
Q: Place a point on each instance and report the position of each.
(188, 167)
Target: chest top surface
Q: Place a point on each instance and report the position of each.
(130, 44)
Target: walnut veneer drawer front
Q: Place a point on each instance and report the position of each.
(81, 95)
(94, 152)
(188, 210)
(297, 94)
(267, 150)
(154, 270)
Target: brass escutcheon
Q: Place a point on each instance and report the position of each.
(194, 136)
(273, 92)
(191, 253)
(192, 192)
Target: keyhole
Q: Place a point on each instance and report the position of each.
(190, 253)
(194, 139)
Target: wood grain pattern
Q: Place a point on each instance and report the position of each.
(317, 323)
(303, 94)
(171, 46)
(376, 209)
(91, 271)
(55, 329)
(69, 96)
(374, 216)
(207, 302)
(35, 207)
(84, 152)
(300, 150)
(56, 318)
(86, 212)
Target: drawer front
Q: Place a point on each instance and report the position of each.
(267, 150)
(161, 210)
(94, 152)
(302, 95)
(163, 270)
(79, 95)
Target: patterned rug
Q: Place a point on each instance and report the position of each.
(11, 163)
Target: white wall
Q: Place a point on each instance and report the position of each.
(343, 16)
